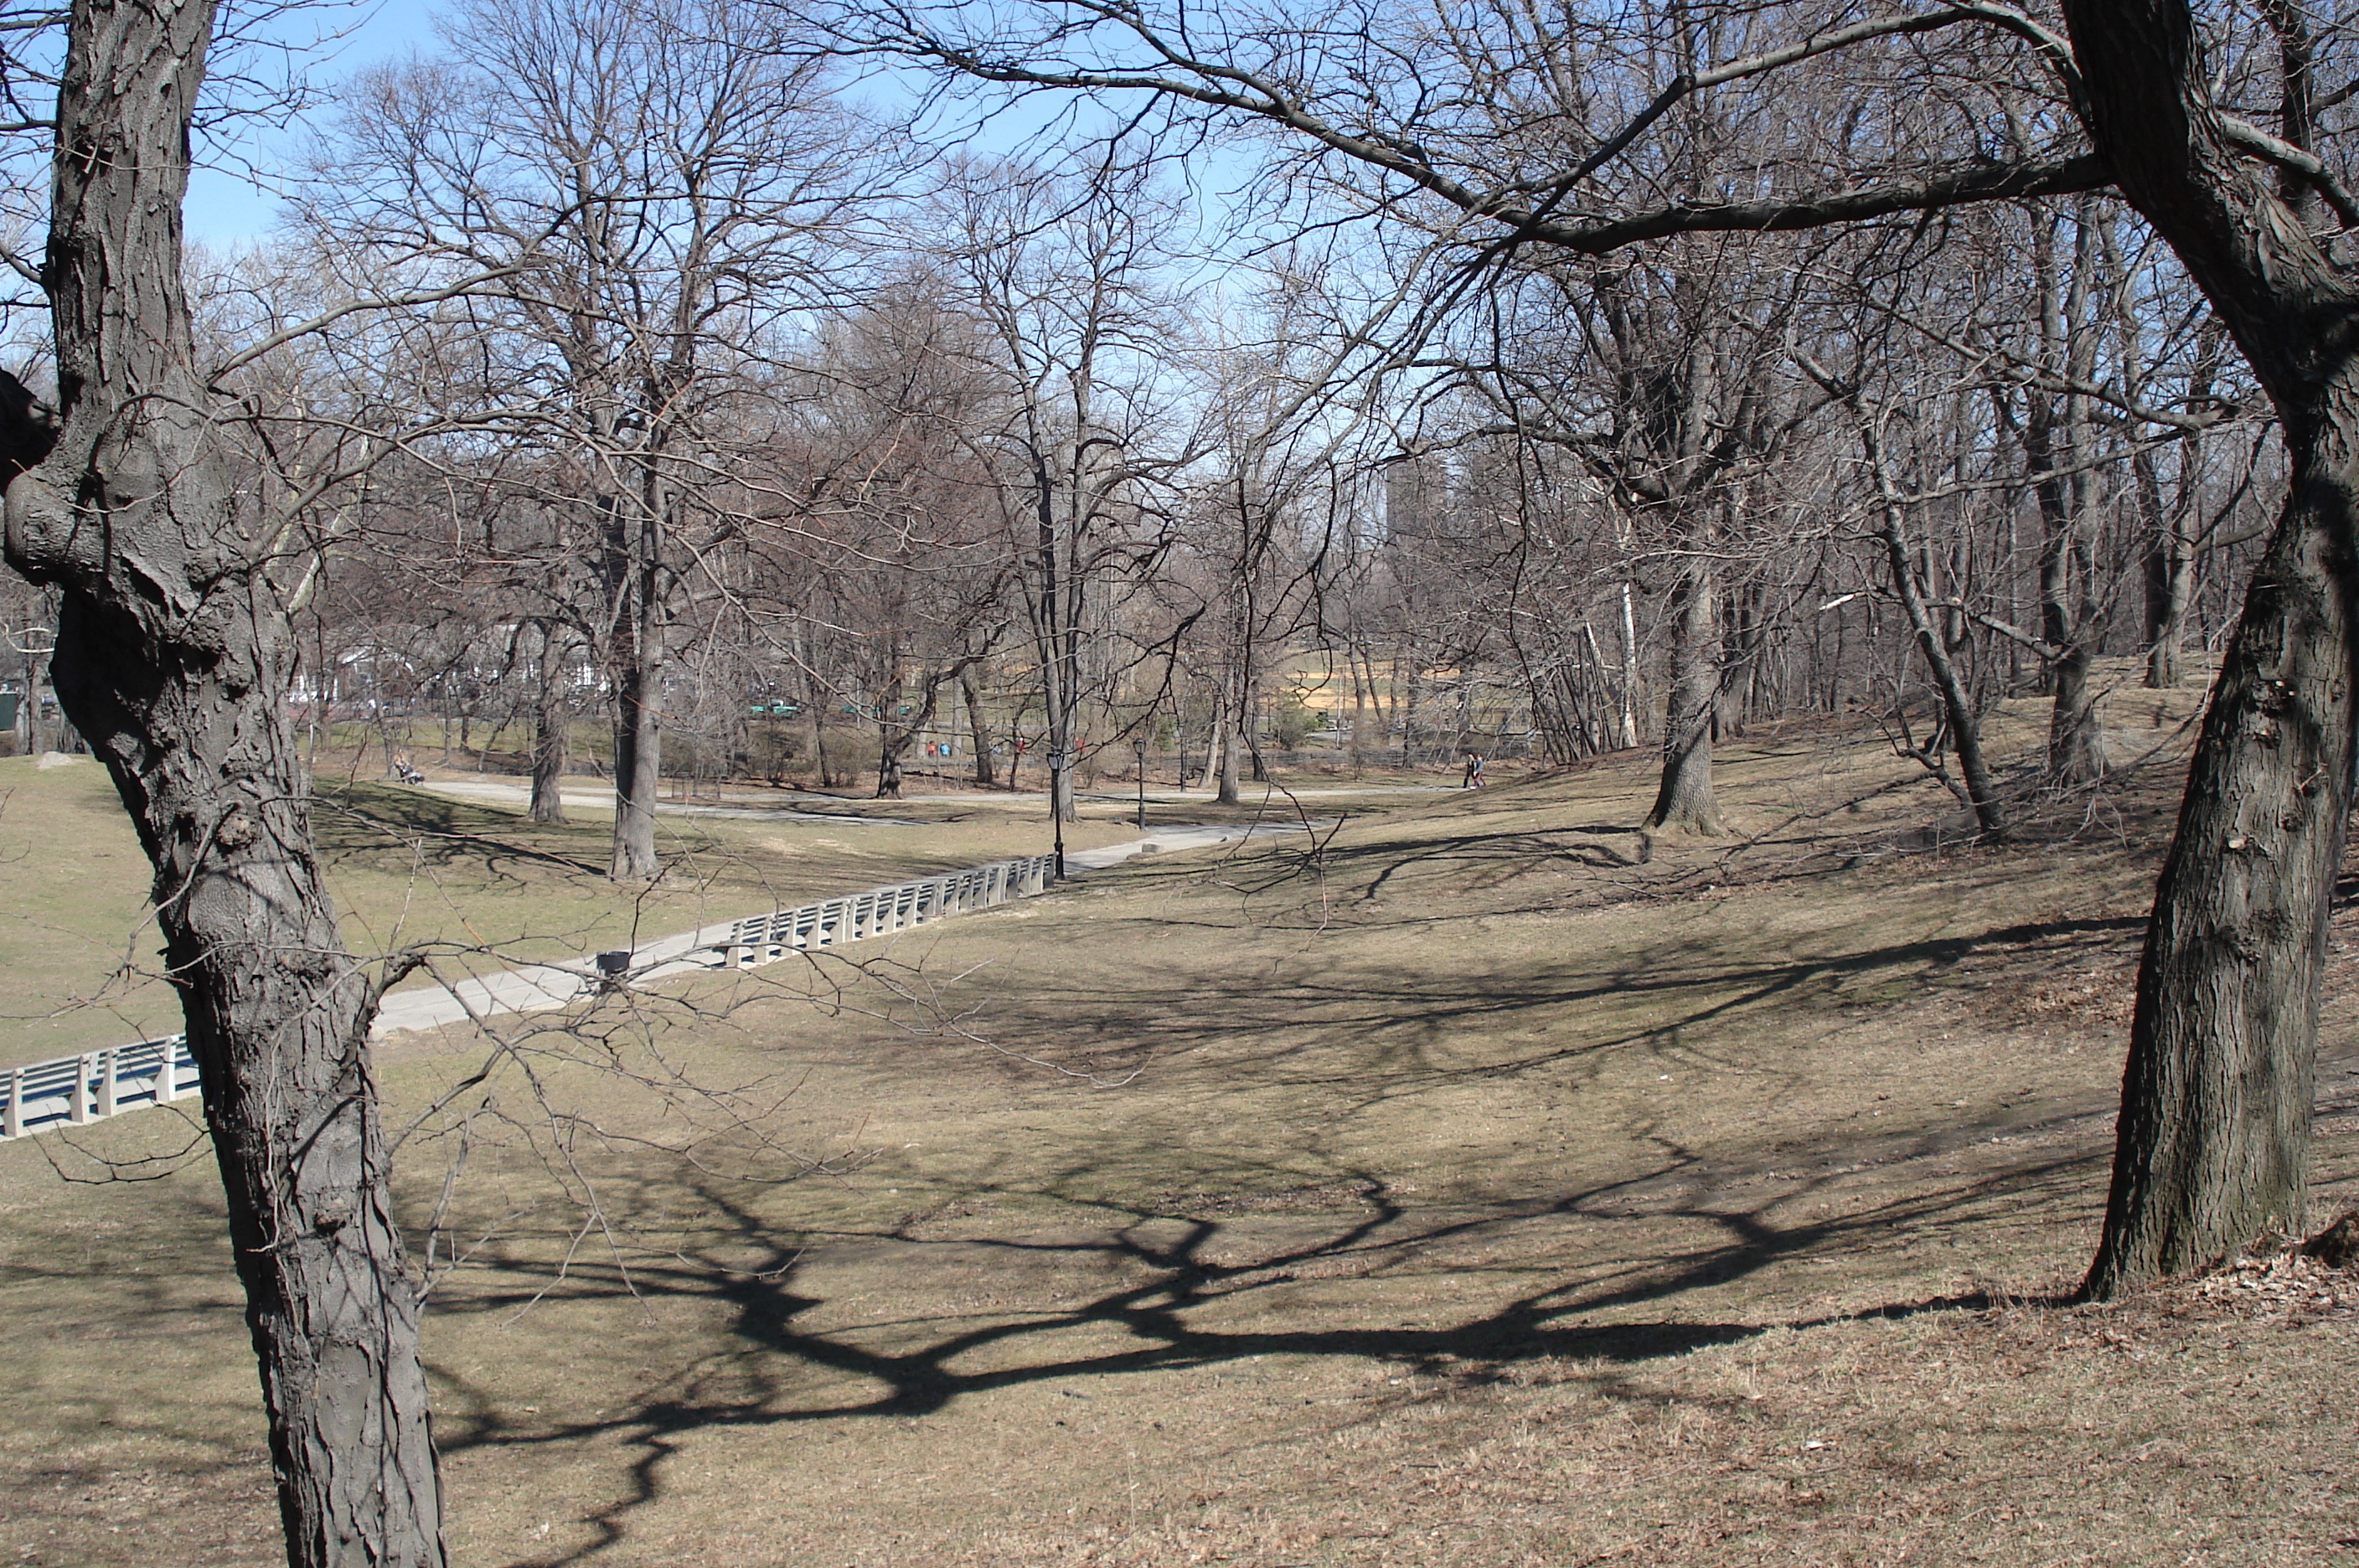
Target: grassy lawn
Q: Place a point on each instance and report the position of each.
(1487, 1187)
(471, 877)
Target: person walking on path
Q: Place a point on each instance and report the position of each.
(1474, 770)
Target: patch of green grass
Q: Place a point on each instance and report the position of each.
(77, 956)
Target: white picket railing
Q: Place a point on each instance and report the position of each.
(70, 1091)
(764, 939)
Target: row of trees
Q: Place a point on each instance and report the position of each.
(1661, 369)
(705, 412)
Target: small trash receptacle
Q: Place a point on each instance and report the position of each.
(612, 966)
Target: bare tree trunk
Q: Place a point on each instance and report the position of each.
(638, 720)
(173, 661)
(552, 713)
(638, 773)
(2072, 618)
(1965, 724)
(2212, 1149)
(2216, 1101)
(1684, 803)
(2076, 740)
(1230, 739)
(894, 737)
(2170, 575)
(28, 708)
(978, 733)
(1626, 695)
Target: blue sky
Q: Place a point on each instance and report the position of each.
(225, 207)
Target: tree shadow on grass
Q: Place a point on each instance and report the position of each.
(1173, 1303)
(1398, 1025)
(1180, 1283)
(360, 821)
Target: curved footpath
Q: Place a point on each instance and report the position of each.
(72, 1091)
(537, 987)
(756, 807)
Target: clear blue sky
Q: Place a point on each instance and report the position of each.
(225, 208)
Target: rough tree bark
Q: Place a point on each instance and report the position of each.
(978, 732)
(640, 632)
(2214, 1144)
(173, 659)
(552, 716)
(1684, 801)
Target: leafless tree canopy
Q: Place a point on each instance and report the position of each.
(1014, 394)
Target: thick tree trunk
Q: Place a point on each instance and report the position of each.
(1685, 802)
(978, 734)
(638, 775)
(173, 661)
(552, 713)
(2214, 1145)
(2076, 740)
(2215, 1126)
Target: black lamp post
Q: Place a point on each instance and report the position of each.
(1139, 744)
(1058, 762)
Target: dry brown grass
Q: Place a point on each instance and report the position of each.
(1474, 1193)
(473, 880)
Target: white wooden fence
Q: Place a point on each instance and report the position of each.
(70, 1091)
(764, 939)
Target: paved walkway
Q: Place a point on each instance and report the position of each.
(756, 807)
(604, 800)
(540, 987)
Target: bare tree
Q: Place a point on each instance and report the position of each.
(2215, 1139)
(1061, 272)
(662, 190)
(173, 661)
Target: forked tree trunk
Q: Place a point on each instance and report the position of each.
(1685, 802)
(173, 659)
